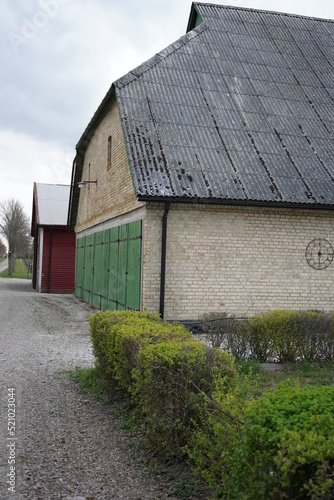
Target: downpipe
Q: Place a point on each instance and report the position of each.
(163, 260)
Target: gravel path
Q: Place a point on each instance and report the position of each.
(67, 445)
(3, 265)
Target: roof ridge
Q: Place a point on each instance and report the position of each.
(160, 56)
(51, 184)
(251, 9)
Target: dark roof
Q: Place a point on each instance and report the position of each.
(240, 109)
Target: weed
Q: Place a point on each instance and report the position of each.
(150, 466)
(305, 372)
(135, 444)
(92, 381)
(249, 367)
(185, 488)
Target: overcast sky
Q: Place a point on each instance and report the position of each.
(58, 58)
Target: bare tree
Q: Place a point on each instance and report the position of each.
(14, 225)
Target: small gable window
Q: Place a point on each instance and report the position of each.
(109, 151)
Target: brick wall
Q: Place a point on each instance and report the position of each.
(114, 193)
(236, 259)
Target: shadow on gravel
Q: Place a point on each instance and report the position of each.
(16, 285)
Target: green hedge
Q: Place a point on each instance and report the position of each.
(287, 446)
(168, 378)
(290, 336)
(211, 447)
(279, 447)
(194, 402)
(117, 337)
(162, 367)
(278, 335)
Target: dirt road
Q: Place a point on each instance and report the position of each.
(64, 445)
(3, 265)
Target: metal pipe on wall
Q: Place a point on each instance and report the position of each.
(163, 260)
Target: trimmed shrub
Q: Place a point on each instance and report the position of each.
(163, 368)
(274, 334)
(217, 326)
(167, 379)
(287, 447)
(317, 336)
(211, 446)
(194, 402)
(290, 336)
(118, 336)
(102, 331)
(238, 340)
(278, 335)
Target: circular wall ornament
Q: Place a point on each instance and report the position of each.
(319, 254)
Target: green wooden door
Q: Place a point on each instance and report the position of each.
(122, 266)
(108, 267)
(88, 268)
(97, 270)
(105, 269)
(113, 270)
(79, 265)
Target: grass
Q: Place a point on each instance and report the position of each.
(92, 381)
(20, 271)
(303, 372)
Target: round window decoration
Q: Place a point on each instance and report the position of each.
(319, 254)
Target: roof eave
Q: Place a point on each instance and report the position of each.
(74, 192)
(230, 202)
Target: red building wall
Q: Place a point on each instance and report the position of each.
(58, 264)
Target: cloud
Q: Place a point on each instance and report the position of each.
(33, 161)
(58, 67)
(58, 58)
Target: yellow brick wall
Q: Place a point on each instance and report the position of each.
(151, 257)
(241, 260)
(114, 193)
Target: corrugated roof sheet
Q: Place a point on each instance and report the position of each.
(52, 204)
(239, 109)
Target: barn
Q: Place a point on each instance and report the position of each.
(204, 180)
(54, 246)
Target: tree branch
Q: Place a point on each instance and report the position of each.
(226, 413)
